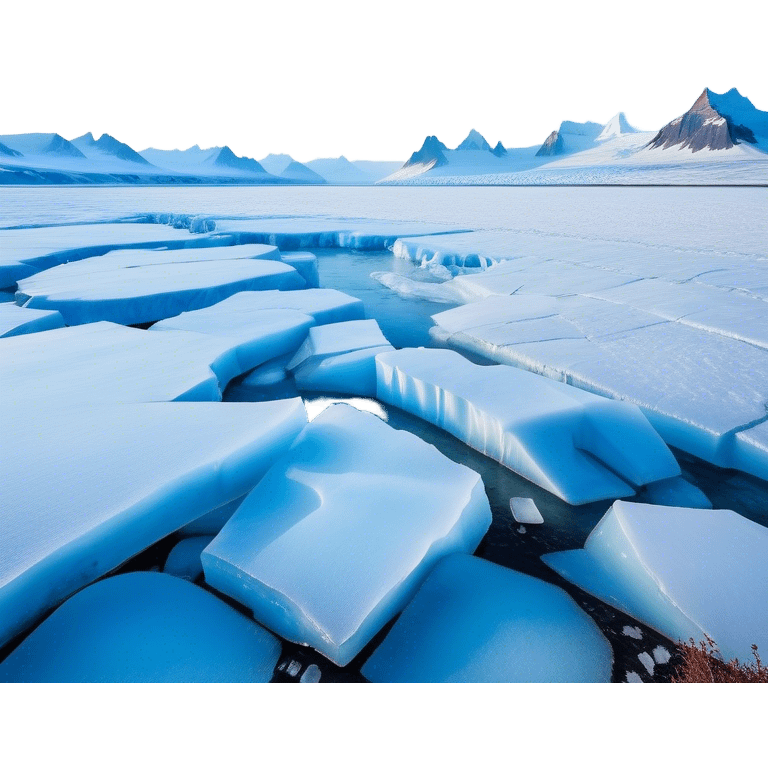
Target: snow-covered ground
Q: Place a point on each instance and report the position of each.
(327, 531)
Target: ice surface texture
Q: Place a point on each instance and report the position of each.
(16, 321)
(576, 445)
(144, 628)
(146, 292)
(86, 487)
(684, 572)
(476, 622)
(338, 535)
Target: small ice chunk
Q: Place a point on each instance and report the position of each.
(646, 661)
(634, 632)
(676, 492)
(305, 264)
(293, 668)
(521, 529)
(144, 627)
(351, 373)
(184, 559)
(339, 534)
(661, 655)
(633, 677)
(335, 339)
(311, 674)
(525, 511)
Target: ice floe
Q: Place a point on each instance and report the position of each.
(184, 559)
(86, 487)
(341, 531)
(146, 293)
(685, 572)
(144, 627)
(477, 622)
(576, 445)
(525, 511)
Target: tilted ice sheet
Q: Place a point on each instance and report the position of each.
(326, 305)
(338, 338)
(476, 622)
(23, 252)
(305, 264)
(256, 335)
(85, 487)
(696, 387)
(576, 445)
(352, 373)
(16, 321)
(148, 628)
(108, 363)
(685, 572)
(336, 538)
(296, 233)
(143, 294)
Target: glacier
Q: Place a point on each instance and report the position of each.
(473, 621)
(144, 628)
(108, 480)
(574, 444)
(688, 573)
(341, 531)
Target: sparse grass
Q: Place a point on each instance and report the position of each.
(701, 663)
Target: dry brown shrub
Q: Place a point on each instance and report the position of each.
(701, 663)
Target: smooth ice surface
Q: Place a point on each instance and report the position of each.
(336, 538)
(183, 560)
(211, 522)
(326, 305)
(144, 627)
(577, 445)
(337, 338)
(477, 622)
(305, 264)
(26, 251)
(525, 511)
(698, 387)
(85, 487)
(258, 335)
(141, 294)
(108, 363)
(16, 321)
(675, 492)
(685, 572)
(352, 373)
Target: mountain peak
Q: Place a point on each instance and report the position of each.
(431, 153)
(474, 140)
(618, 125)
(499, 150)
(553, 145)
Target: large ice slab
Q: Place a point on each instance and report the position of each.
(685, 572)
(108, 363)
(144, 628)
(85, 487)
(16, 321)
(142, 294)
(698, 388)
(576, 445)
(476, 622)
(258, 335)
(338, 338)
(23, 252)
(336, 538)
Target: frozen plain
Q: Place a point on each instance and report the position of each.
(704, 235)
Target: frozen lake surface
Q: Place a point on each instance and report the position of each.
(623, 230)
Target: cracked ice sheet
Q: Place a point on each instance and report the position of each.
(16, 321)
(141, 294)
(23, 252)
(477, 622)
(684, 572)
(86, 487)
(576, 445)
(339, 534)
(108, 363)
(144, 627)
(695, 387)
(293, 234)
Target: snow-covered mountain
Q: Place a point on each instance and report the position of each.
(218, 162)
(36, 144)
(339, 170)
(285, 166)
(571, 137)
(107, 147)
(715, 122)
(474, 140)
(617, 126)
